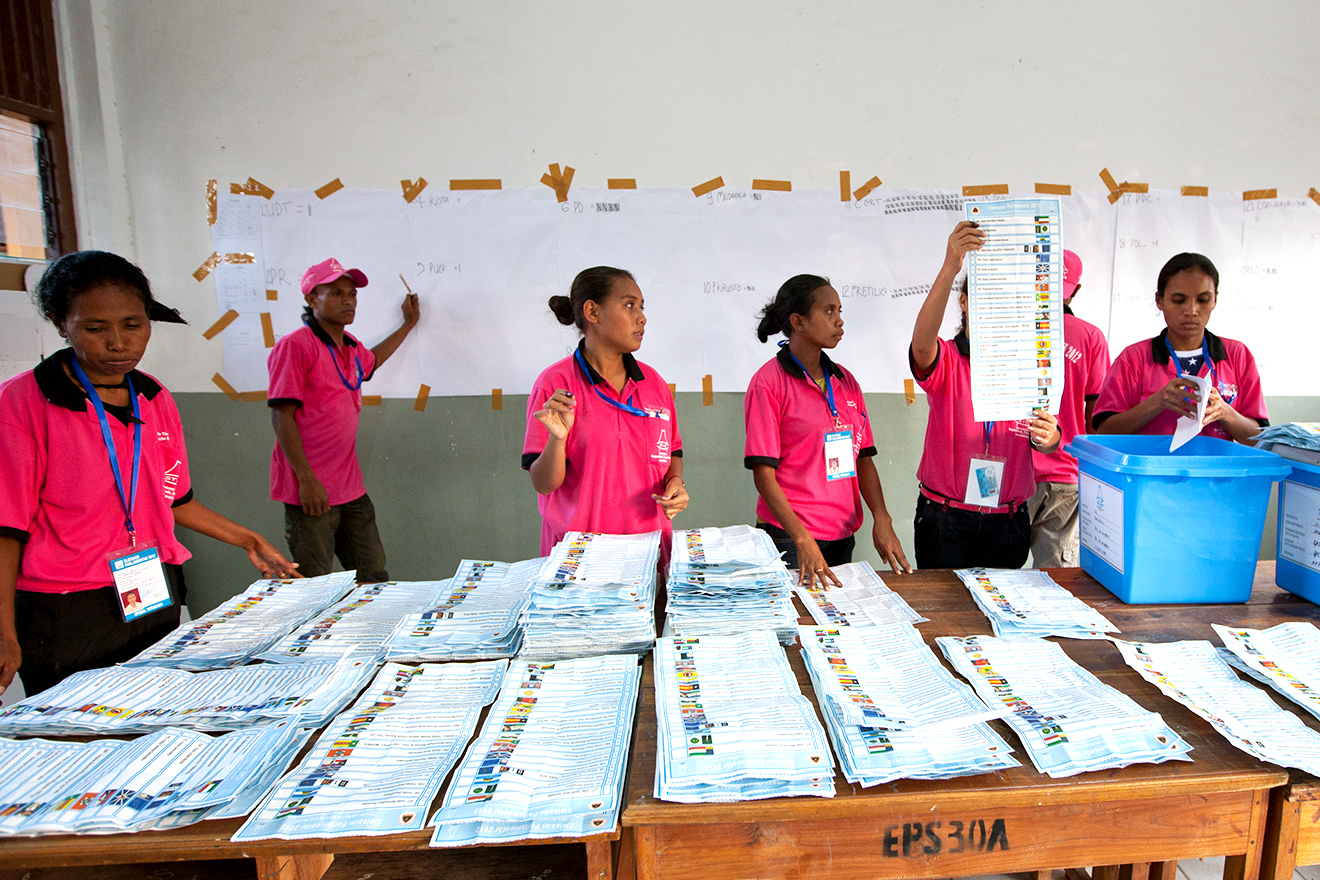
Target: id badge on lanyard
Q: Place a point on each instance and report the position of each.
(985, 476)
(839, 461)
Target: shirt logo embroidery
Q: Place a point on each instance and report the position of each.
(163, 436)
(170, 485)
(661, 453)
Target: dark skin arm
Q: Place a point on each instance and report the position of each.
(315, 500)
(811, 563)
(11, 553)
(201, 519)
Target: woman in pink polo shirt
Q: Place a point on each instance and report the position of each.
(1146, 391)
(976, 477)
(602, 446)
(95, 478)
(809, 444)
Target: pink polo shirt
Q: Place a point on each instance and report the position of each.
(1143, 368)
(1085, 363)
(786, 416)
(305, 370)
(615, 461)
(59, 494)
(953, 437)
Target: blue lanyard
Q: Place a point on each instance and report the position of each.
(626, 407)
(130, 499)
(829, 387)
(989, 426)
(357, 362)
(1205, 354)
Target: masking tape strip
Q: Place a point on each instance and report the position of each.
(1252, 195)
(845, 186)
(673, 389)
(1110, 183)
(909, 392)
(251, 396)
(866, 189)
(267, 330)
(272, 295)
(989, 189)
(1196, 190)
(772, 185)
(248, 257)
(475, 183)
(423, 392)
(497, 398)
(207, 265)
(211, 202)
(1133, 187)
(709, 186)
(707, 390)
(1114, 196)
(371, 400)
(1315, 195)
(555, 173)
(225, 386)
(330, 188)
(253, 187)
(1054, 189)
(566, 181)
(412, 189)
(622, 183)
(225, 320)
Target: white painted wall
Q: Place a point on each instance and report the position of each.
(164, 94)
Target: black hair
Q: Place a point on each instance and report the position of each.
(74, 274)
(590, 285)
(795, 297)
(1181, 263)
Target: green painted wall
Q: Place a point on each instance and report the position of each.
(447, 485)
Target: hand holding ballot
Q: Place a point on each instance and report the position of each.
(1045, 431)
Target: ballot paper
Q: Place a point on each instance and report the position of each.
(893, 711)
(1303, 436)
(863, 599)
(724, 581)
(733, 725)
(1286, 657)
(1068, 720)
(124, 699)
(1188, 427)
(551, 758)
(162, 780)
(1193, 673)
(1028, 602)
(475, 618)
(249, 623)
(377, 767)
(595, 594)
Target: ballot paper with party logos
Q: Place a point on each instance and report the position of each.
(1286, 657)
(893, 711)
(725, 581)
(595, 594)
(551, 757)
(1028, 602)
(1195, 674)
(477, 617)
(135, 699)
(378, 765)
(1069, 721)
(861, 599)
(252, 622)
(732, 724)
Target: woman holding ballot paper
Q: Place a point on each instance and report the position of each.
(976, 477)
(602, 447)
(95, 478)
(809, 444)
(1155, 382)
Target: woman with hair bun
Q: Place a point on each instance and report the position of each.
(603, 448)
(809, 444)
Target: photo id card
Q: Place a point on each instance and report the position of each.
(839, 461)
(140, 581)
(985, 475)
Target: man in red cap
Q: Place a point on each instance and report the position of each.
(316, 376)
(1053, 509)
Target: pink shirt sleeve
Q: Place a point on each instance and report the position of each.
(288, 368)
(1250, 400)
(1099, 367)
(22, 462)
(179, 446)
(1122, 386)
(761, 419)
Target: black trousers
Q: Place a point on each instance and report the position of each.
(953, 538)
(837, 552)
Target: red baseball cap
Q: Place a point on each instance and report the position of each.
(1072, 273)
(329, 270)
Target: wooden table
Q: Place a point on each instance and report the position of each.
(1144, 816)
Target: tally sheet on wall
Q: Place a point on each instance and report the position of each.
(486, 262)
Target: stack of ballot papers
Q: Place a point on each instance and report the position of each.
(1027, 602)
(362, 622)
(1303, 436)
(476, 617)
(1286, 657)
(550, 760)
(124, 699)
(1195, 674)
(728, 581)
(893, 712)
(249, 623)
(862, 600)
(594, 594)
(732, 723)
(166, 779)
(1066, 718)
(377, 767)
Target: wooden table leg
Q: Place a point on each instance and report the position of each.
(1105, 872)
(625, 866)
(1164, 870)
(301, 867)
(1247, 865)
(600, 860)
(1134, 871)
(1278, 858)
